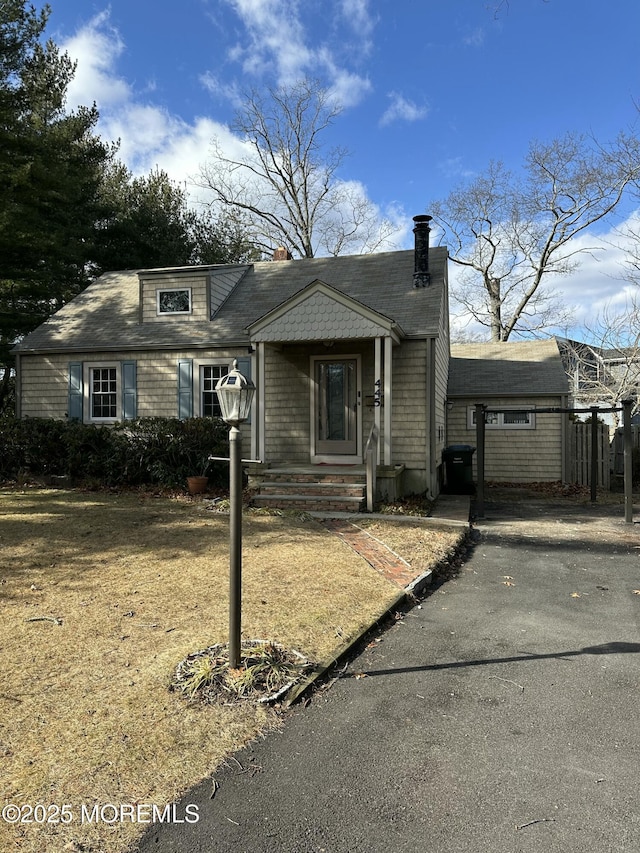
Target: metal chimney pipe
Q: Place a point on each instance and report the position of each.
(421, 275)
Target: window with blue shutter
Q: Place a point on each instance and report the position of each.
(74, 411)
(185, 388)
(129, 390)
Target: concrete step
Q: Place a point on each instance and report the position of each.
(311, 503)
(293, 476)
(321, 490)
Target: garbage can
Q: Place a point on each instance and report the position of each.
(458, 460)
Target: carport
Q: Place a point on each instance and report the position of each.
(482, 411)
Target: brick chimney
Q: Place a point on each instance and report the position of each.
(421, 275)
(282, 254)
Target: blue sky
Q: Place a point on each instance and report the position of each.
(432, 90)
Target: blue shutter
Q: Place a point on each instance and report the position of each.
(244, 366)
(185, 388)
(129, 390)
(75, 391)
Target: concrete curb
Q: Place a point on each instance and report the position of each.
(299, 690)
(405, 598)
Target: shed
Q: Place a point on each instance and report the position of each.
(520, 445)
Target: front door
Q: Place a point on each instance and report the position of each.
(336, 411)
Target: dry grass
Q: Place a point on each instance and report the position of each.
(422, 546)
(137, 583)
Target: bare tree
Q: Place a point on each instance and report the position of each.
(285, 184)
(606, 369)
(510, 233)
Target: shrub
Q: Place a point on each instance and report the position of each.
(161, 451)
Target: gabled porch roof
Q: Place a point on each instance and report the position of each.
(319, 312)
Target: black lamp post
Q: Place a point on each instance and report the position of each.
(235, 395)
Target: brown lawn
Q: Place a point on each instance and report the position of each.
(101, 596)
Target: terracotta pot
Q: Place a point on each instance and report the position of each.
(197, 485)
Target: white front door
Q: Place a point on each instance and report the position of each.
(336, 409)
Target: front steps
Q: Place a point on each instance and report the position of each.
(340, 488)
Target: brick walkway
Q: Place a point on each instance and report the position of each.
(376, 553)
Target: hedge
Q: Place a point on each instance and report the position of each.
(161, 451)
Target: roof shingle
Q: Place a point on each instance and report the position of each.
(105, 316)
(523, 368)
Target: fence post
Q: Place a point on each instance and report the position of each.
(594, 453)
(628, 468)
(480, 422)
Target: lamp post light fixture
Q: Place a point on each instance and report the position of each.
(235, 395)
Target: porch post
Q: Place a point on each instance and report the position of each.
(377, 391)
(388, 401)
(261, 443)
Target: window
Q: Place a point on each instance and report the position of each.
(173, 301)
(507, 419)
(209, 376)
(103, 393)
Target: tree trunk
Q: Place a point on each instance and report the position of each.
(495, 308)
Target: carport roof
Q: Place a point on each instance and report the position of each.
(522, 369)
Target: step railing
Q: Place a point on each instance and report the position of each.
(371, 465)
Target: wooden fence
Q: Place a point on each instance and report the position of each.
(617, 448)
(579, 454)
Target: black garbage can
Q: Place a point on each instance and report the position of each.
(458, 460)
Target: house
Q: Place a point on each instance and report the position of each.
(602, 376)
(513, 379)
(339, 348)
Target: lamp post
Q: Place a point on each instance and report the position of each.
(235, 395)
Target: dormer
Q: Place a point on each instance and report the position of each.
(186, 294)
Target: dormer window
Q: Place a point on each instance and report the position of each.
(173, 301)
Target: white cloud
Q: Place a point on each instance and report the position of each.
(475, 39)
(346, 89)
(454, 168)
(277, 45)
(359, 18)
(96, 47)
(218, 88)
(401, 109)
(275, 39)
(153, 137)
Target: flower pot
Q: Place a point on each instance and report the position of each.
(197, 485)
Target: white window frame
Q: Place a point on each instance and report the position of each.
(162, 290)
(495, 420)
(197, 380)
(88, 391)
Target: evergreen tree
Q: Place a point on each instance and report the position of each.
(51, 168)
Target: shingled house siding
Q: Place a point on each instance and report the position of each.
(286, 379)
(441, 383)
(45, 380)
(525, 455)
(198, 283)
(288, 387)
(45, 386)
(409, 423)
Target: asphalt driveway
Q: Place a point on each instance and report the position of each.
(502, 715)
